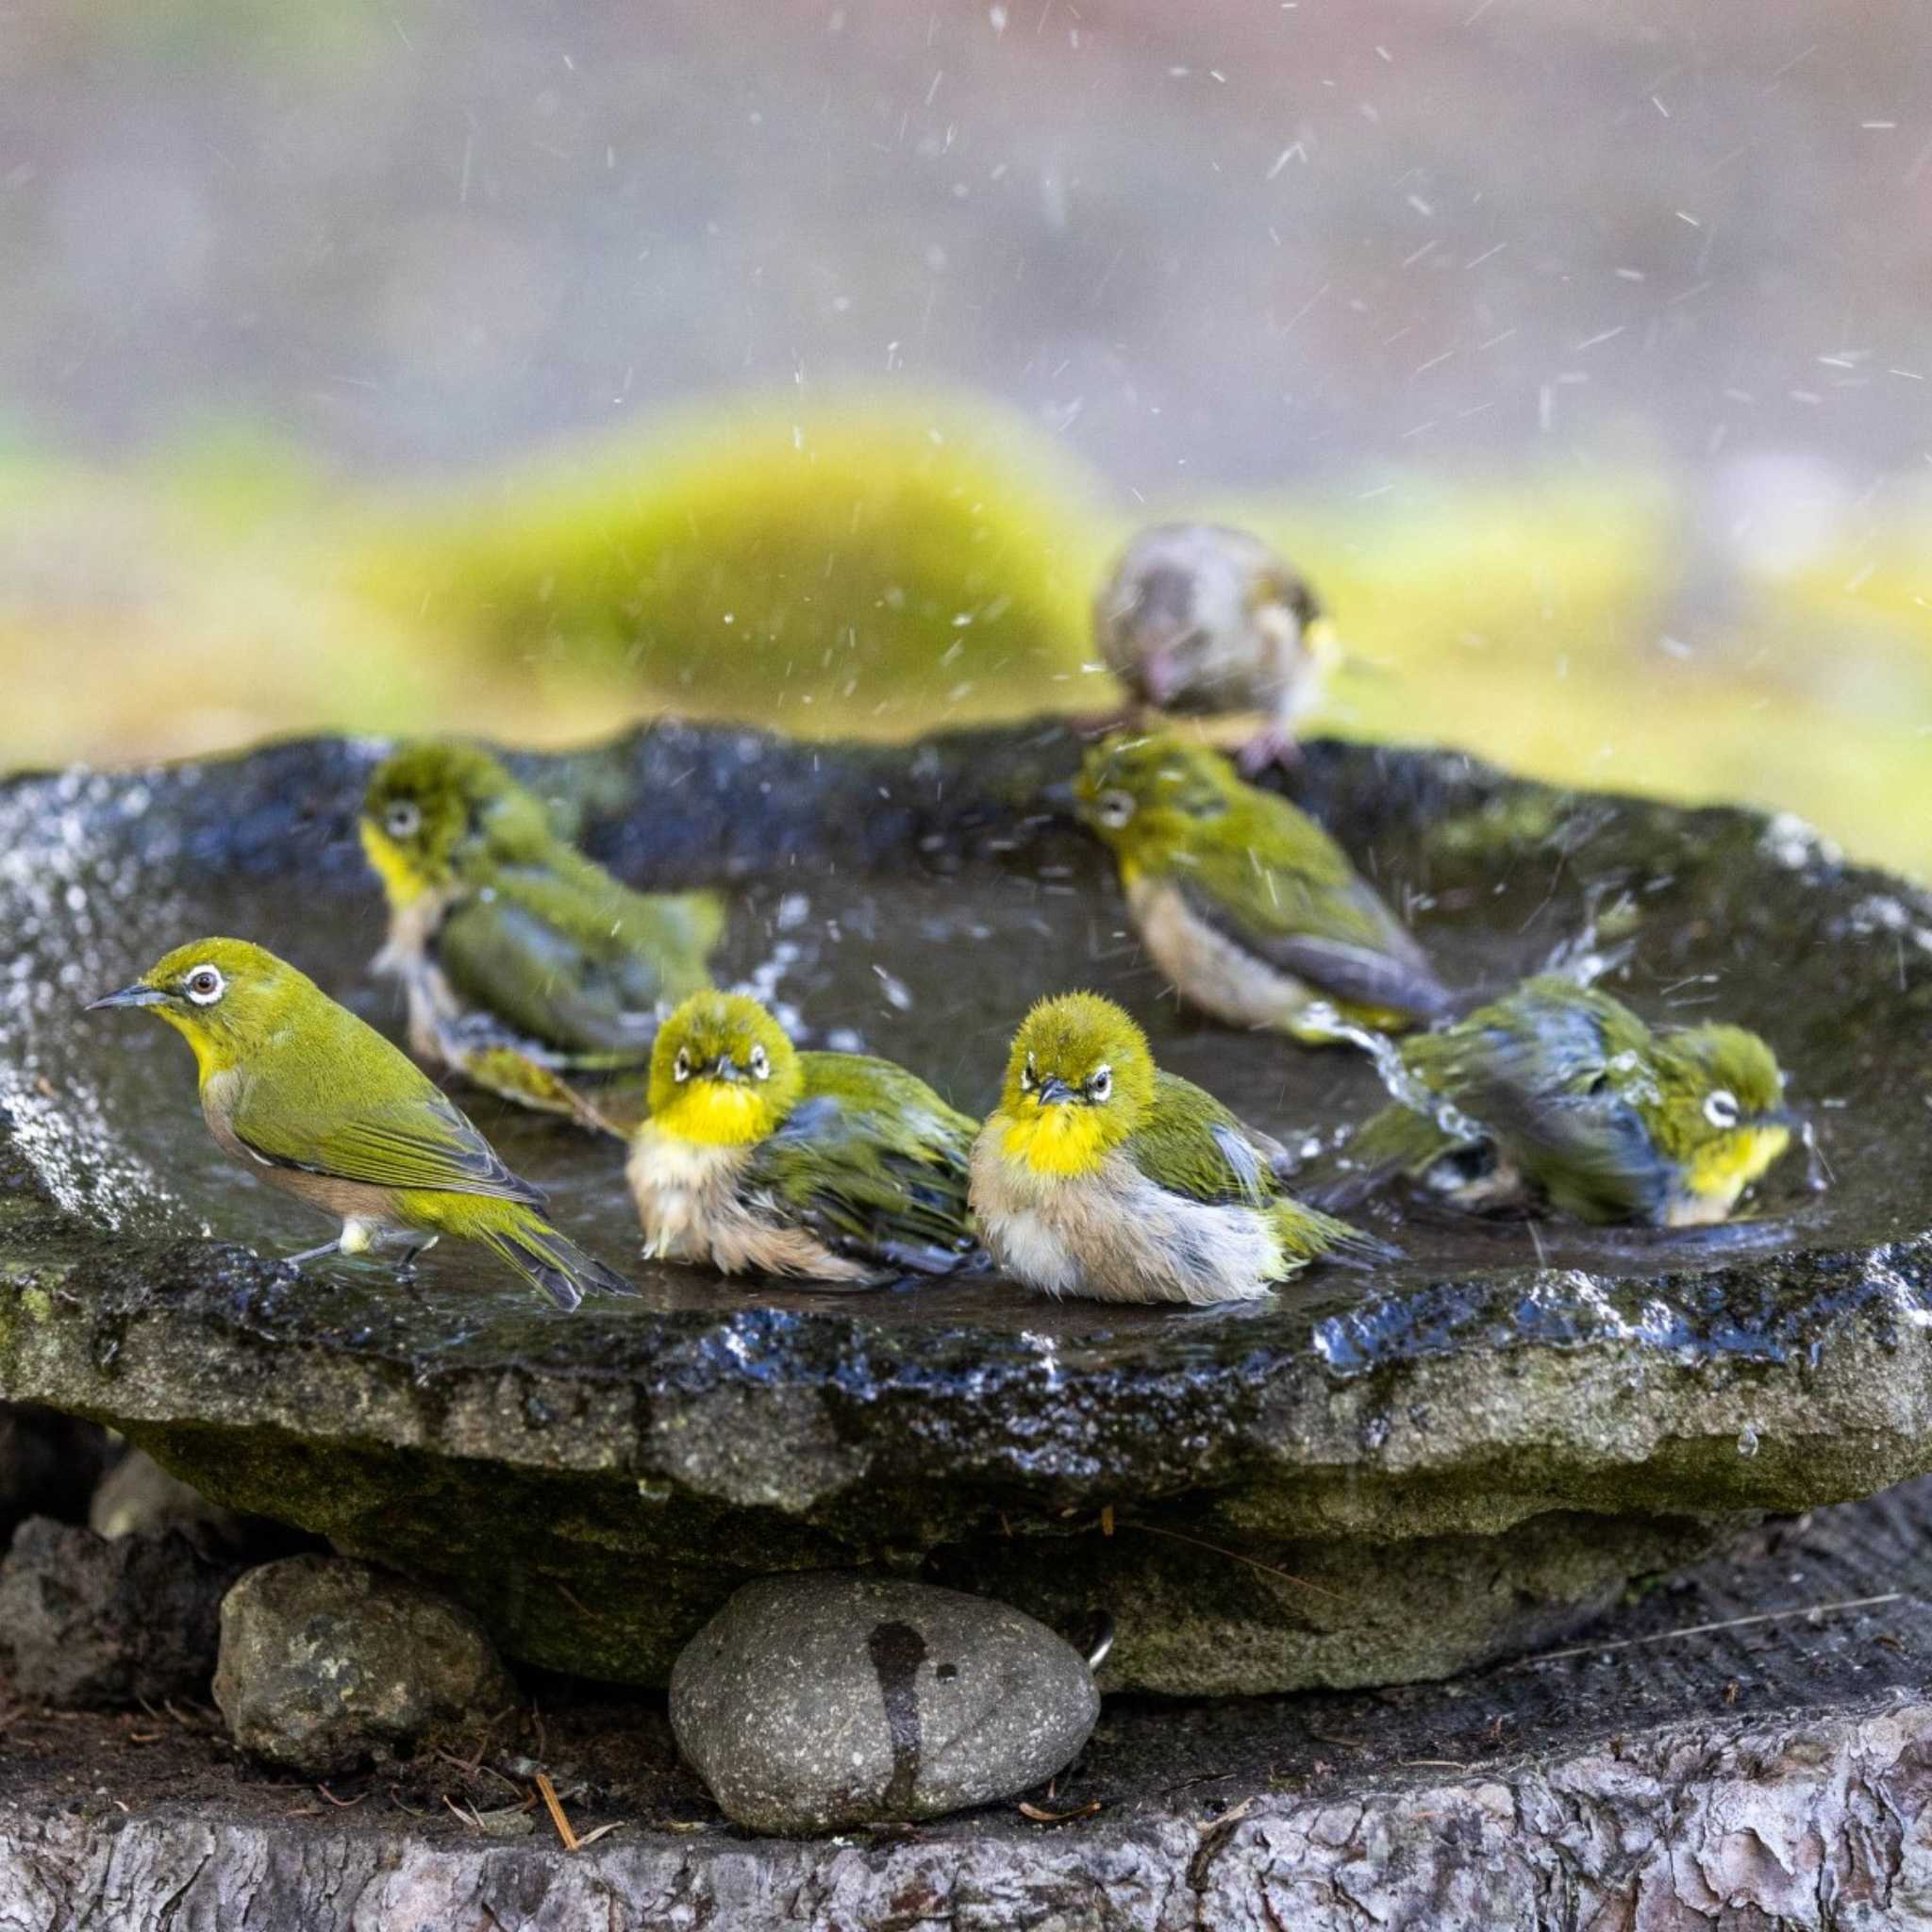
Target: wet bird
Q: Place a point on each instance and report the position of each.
(1099, 1175)
(1201, 620)
(1559, 1096)
(1249, 907)
(757, 1158)
(323, 1108)
(529, 968)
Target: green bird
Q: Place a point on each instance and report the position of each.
(757, 1157)
(1558, 1095)
(323, 1108)
(1099, 1175)
(528, 966)
(1250, 908)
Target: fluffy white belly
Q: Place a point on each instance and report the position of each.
(1210, 968)
(1116, 1236)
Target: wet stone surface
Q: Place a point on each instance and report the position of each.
(820, 1702)
(1461, 1454)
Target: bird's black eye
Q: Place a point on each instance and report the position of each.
(760, 1063)
(205, 986)
(680, 1067)
(1101, 1085)
(1114, 810)
(403, 819)
(1721, 1108)
(1028, 1078)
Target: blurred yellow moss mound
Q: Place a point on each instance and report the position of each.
(831, 566)
(890, 568)
(1579, 630)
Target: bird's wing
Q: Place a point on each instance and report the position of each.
(1335, 934)
(414, 1139)
(872, 1159)
(1549, 1087)
(562, 981)
(1190, 1144)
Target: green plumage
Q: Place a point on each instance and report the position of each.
(325, 1109)
(872, 1160)
(1190, 1144)
(1276, 916)
(1570, 1095)
(569, 958)
(528, 965)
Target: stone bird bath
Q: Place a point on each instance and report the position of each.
(1374, 1478)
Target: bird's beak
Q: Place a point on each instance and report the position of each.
(726, 1068)
(135, 995)
(1780, 1117)
(1060, 796)
(1054, 1092)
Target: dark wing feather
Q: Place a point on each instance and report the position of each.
(1365, 966)
(877, 1169)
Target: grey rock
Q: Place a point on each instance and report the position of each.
(1466, 1451)
(327, 1663)
(49, 1463)
(815, 1701)
(86, 1622)
(139, 1497)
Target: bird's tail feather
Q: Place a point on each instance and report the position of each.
(1322, 1237)
(553, 1262)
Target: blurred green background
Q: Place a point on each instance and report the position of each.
(532, 369)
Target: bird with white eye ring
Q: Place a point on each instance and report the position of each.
(1101, 1174)
(1250, 908)
(837, 1168)
(528, 968)
(319, 1105)
(1558, 1098)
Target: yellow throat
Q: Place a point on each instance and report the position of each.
(1725, 1168)
(1058, 1140)
(400, 880)
(717, 1113)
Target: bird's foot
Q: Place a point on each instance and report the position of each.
(1271, 745)
(296, 1261)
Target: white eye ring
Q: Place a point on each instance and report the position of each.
(403, 819)
(1114, 810)
(205, 986)
(1101, 1085)
(760, 1064)
(680, 1067)
(1027, 1077)
(1721, 1108)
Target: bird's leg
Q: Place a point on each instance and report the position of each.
(334, 1247)
(406, 1265)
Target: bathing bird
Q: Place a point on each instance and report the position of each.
(1557, 1097)
(755, 1157)
(529, 969)
(323, 1108)
(1249, 907)
(1100, 1174)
